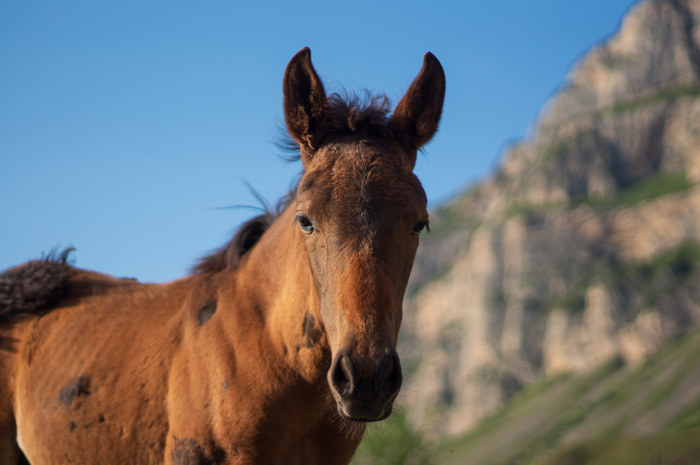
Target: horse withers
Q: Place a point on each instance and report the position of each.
(275, 350)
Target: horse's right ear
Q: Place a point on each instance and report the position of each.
(305, 103)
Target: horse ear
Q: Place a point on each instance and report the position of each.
(416, 117)
(305, 103)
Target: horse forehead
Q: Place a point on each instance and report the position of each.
(366, 166)
(362, 183)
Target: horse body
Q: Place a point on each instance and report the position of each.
(278, 359)
(76, 396)
(185, 360)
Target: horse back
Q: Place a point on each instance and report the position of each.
(89, 364)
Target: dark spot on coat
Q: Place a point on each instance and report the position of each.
(76, 388)
(218, 455)
(207, 311)
(311, 332)
(73, 425)
(187, 451)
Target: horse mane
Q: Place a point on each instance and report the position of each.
(352, 113)
(346, 114)
(31, 288)
(230, 255)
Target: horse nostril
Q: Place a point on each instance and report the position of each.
(391, 377)
(343, 375)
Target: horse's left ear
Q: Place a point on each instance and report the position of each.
(305, 103)
(416, 117)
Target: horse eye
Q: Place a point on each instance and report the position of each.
(420, 226)
(305, 224)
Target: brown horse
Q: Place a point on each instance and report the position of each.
(276, 349)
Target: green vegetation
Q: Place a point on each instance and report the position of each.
(649, 188)
(392, 442)
(450, 218)
(656, 185)
(646, 189)
(561, 147)
(670, 94)
(612, 61)
(527, 209)
(503, 416)
(667, 448)
(529, 424)
(681, 261)
(689, 418)
(662, 275)
(573, 301)
(648, 414)
(645, 281)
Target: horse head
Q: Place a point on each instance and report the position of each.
(360, 210)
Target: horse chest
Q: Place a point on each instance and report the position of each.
(306, 451)
(221, 413)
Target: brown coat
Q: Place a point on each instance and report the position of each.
(275, 351)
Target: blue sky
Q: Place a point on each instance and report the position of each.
(124, 127)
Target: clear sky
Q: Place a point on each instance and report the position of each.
(125, 126)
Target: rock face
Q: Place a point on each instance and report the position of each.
(583, 247)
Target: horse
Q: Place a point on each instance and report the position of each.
(278, 348)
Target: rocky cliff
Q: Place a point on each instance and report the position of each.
(583, 247)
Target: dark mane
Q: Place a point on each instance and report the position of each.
(366, 115)
(229, 256)
(31, 288)
(352, 113)
(349, 113)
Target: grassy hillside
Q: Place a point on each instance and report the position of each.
(648, 414)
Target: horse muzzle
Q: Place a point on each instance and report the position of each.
(363, 394)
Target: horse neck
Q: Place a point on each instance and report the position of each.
(276, 283)
(277, 280)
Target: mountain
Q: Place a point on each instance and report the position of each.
(615, 414)
(582, 250)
